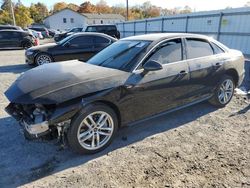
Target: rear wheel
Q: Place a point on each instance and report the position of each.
(43, 59)
(93, 129)
(224, 92)
(27, 45)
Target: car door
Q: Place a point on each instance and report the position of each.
(16, 39)
(79, 47)
(157, 91)
(7, 40)
(204, 67)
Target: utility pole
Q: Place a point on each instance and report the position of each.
(127, 10)
(12, 12)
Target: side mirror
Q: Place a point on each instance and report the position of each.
(152, 66)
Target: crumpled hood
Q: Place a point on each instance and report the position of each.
(58, 82)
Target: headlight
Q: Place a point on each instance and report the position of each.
(29, 52)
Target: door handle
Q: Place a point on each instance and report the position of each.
(218, 64)
(183, 72)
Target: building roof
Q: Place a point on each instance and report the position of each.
(103, 16)
(93, 15)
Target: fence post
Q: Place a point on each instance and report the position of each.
(134, 28)
(186, 29)
(219, 26)
(162, 25)
(146, 26)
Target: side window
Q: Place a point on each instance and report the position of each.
(16, 35)
(64, 20)
(198, 48)
(101, 40)
(91, 29)
(217, 49)
(169, 52)
(82, 41)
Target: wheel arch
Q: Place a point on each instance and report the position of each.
(112, 106)
(234, 74)
(46, 53)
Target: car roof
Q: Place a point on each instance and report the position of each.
(94, 34)
(97, 25)
(162, 36)
(10, 26)
(21, 31)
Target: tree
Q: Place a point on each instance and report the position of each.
(59, 6)
(38, 12)
(87, 7)
(6, 5)
(149, 10)
(73, 6)
(22, 15)
(186, 10)
(5, 17)
(102, 7)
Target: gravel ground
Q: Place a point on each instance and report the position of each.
(196, 147)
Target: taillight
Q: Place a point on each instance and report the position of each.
(36, 42)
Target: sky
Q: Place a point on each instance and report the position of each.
(197, 5)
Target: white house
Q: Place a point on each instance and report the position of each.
(67, 19)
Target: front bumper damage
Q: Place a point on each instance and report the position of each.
(38, 120)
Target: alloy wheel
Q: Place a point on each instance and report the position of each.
(226, 91)
(95, 130)
(43, 59)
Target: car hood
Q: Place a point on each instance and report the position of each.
(43, 47)
(59, 82)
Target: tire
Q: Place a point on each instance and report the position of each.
(83, 131)
(27, 45)
(43, 58)
(223, 93)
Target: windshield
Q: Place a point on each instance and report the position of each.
(122, 55)
(65, 40)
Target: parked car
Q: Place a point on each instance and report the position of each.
(37, 34)
(52, 32)
(43, 30)
(17, 39)
(60, 36)
(80, 46)
(133, 79)
(10, 27)
(110, 30)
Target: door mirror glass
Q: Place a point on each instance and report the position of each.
(152, 66)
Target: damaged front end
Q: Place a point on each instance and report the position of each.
(41, 120)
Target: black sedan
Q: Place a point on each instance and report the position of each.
(81, 46)
(134, 78)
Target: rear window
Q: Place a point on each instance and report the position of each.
(101, 40)
(38, 29)
(198, 48)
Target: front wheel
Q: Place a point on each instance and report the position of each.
(224, 92)
(42, 59)
(93, 129)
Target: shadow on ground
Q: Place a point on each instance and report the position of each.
(23, 161)
(14, 68)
